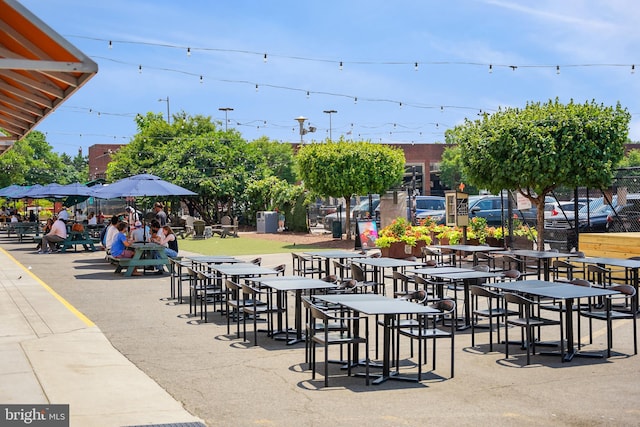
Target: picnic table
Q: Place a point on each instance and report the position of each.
(146, 255)
(22, 229)
(75, 238)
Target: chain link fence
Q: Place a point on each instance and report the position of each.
(584, 210)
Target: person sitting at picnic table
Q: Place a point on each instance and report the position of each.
(92, 219)
(110, 233)
(47, 229)
(169, 241)
(120, 245)
(139, 233)
(57, 234)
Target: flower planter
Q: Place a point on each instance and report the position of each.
(397, 250)
(519, 242)
(498, 243)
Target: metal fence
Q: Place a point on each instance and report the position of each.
(584, 210)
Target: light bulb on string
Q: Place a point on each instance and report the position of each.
(633, 69)
(355, 100)
(340, 66)
(256, 88)
(264, 59)
(307, 94)
(201, 80)
(415, 66)
(490, 68)
(188, 51)
(557, 69)
(139, 69)
(110, 44)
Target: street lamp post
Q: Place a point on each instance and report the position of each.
(226, 112)
(330, 112)
(168, 114)
(301, 120)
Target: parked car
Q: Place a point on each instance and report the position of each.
(357, 211)
(626, 218)
(432, 207)
(495, 208)
(592, 217)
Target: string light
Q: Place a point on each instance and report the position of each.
(188, 51)
(264, 59)
(340, 66)
(355, 100)
(139, 69)
(490, 68)
(557, 69)
(307, 94)
(299, 58)
(256, 88)
(633, 69)
(201, 80)
(415, 66)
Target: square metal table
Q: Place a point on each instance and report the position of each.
(379, 264)
(334, 254)
(372, 304)
(543, 257)
(631, 266)
(298, 284)
(559, 291)
(468, 248)
(466, 277)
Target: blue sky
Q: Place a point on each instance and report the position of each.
(379, 94)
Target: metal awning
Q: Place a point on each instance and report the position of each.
(38, 71)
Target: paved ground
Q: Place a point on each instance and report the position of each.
(225, 381)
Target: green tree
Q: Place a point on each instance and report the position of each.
(542, 146)
(346, 168)
(631, 160)
(30, 161)
(74, 169)
(195, 153)
(451, 166)
(278, 158)
(273, 193)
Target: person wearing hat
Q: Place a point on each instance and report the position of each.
(57, 234)
(139, 234)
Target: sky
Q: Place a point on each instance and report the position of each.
(393, 72)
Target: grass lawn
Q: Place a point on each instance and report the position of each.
(245, 245)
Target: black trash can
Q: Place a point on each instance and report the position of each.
(336, 228)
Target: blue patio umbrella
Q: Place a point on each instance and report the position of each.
(13, 188)
(24, 191)
(142, 185)
(42, 192)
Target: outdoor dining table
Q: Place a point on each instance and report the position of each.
(379, 264)
(457, 249)
(543, 258)
(297, 284)
(242, 270)
(374, 304)
(334, 254)
(559, 291)
(631, 266)
(467, 278)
